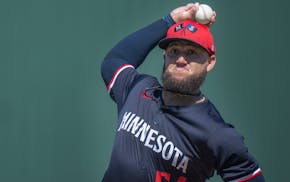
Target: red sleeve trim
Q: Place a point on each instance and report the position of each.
(249, 177)
(119, 70)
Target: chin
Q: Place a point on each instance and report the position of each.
(178, 78)
(182, 82)
(180, 75)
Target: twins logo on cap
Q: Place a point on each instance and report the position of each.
(178, 27)
(189, 27)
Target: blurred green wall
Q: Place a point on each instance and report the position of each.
(56, 120)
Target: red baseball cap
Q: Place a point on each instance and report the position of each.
(192, 31)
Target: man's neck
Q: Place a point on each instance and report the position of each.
(176, 99)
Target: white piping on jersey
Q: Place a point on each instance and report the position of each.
(119, 70)
(248, 177)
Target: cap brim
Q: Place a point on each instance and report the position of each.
(164, 42)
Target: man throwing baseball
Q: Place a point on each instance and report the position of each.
(171, 132)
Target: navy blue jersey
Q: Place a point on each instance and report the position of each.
(155, 142)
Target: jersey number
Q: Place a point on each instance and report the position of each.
(164, 175)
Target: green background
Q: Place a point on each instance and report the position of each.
(56, 120)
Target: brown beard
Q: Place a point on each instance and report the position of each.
(187, 86)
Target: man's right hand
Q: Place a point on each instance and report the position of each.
(188, 12)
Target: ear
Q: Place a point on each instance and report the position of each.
(211, 63)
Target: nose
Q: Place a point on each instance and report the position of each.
(181, 61)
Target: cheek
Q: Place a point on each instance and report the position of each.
(168, 67)
(197, 68)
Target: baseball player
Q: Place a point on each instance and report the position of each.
(171, 132)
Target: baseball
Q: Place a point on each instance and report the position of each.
(204, 14)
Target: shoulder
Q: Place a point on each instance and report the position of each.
(143, 81)
(226, 138)
(223, 135)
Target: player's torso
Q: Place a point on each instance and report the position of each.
(155, 143)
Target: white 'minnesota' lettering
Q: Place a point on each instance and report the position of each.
(176, 156)
(150, 137)
(135, 124)
(183, 164)
(160, 140)
(143, 131)
(158, 143)
(124, 120)
(168, 145)
(129, 120)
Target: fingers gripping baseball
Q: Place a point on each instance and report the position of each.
(189, 12)
(212, 20)
(184, 12)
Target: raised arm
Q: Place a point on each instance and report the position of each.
(118, 67)
(133, 49)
